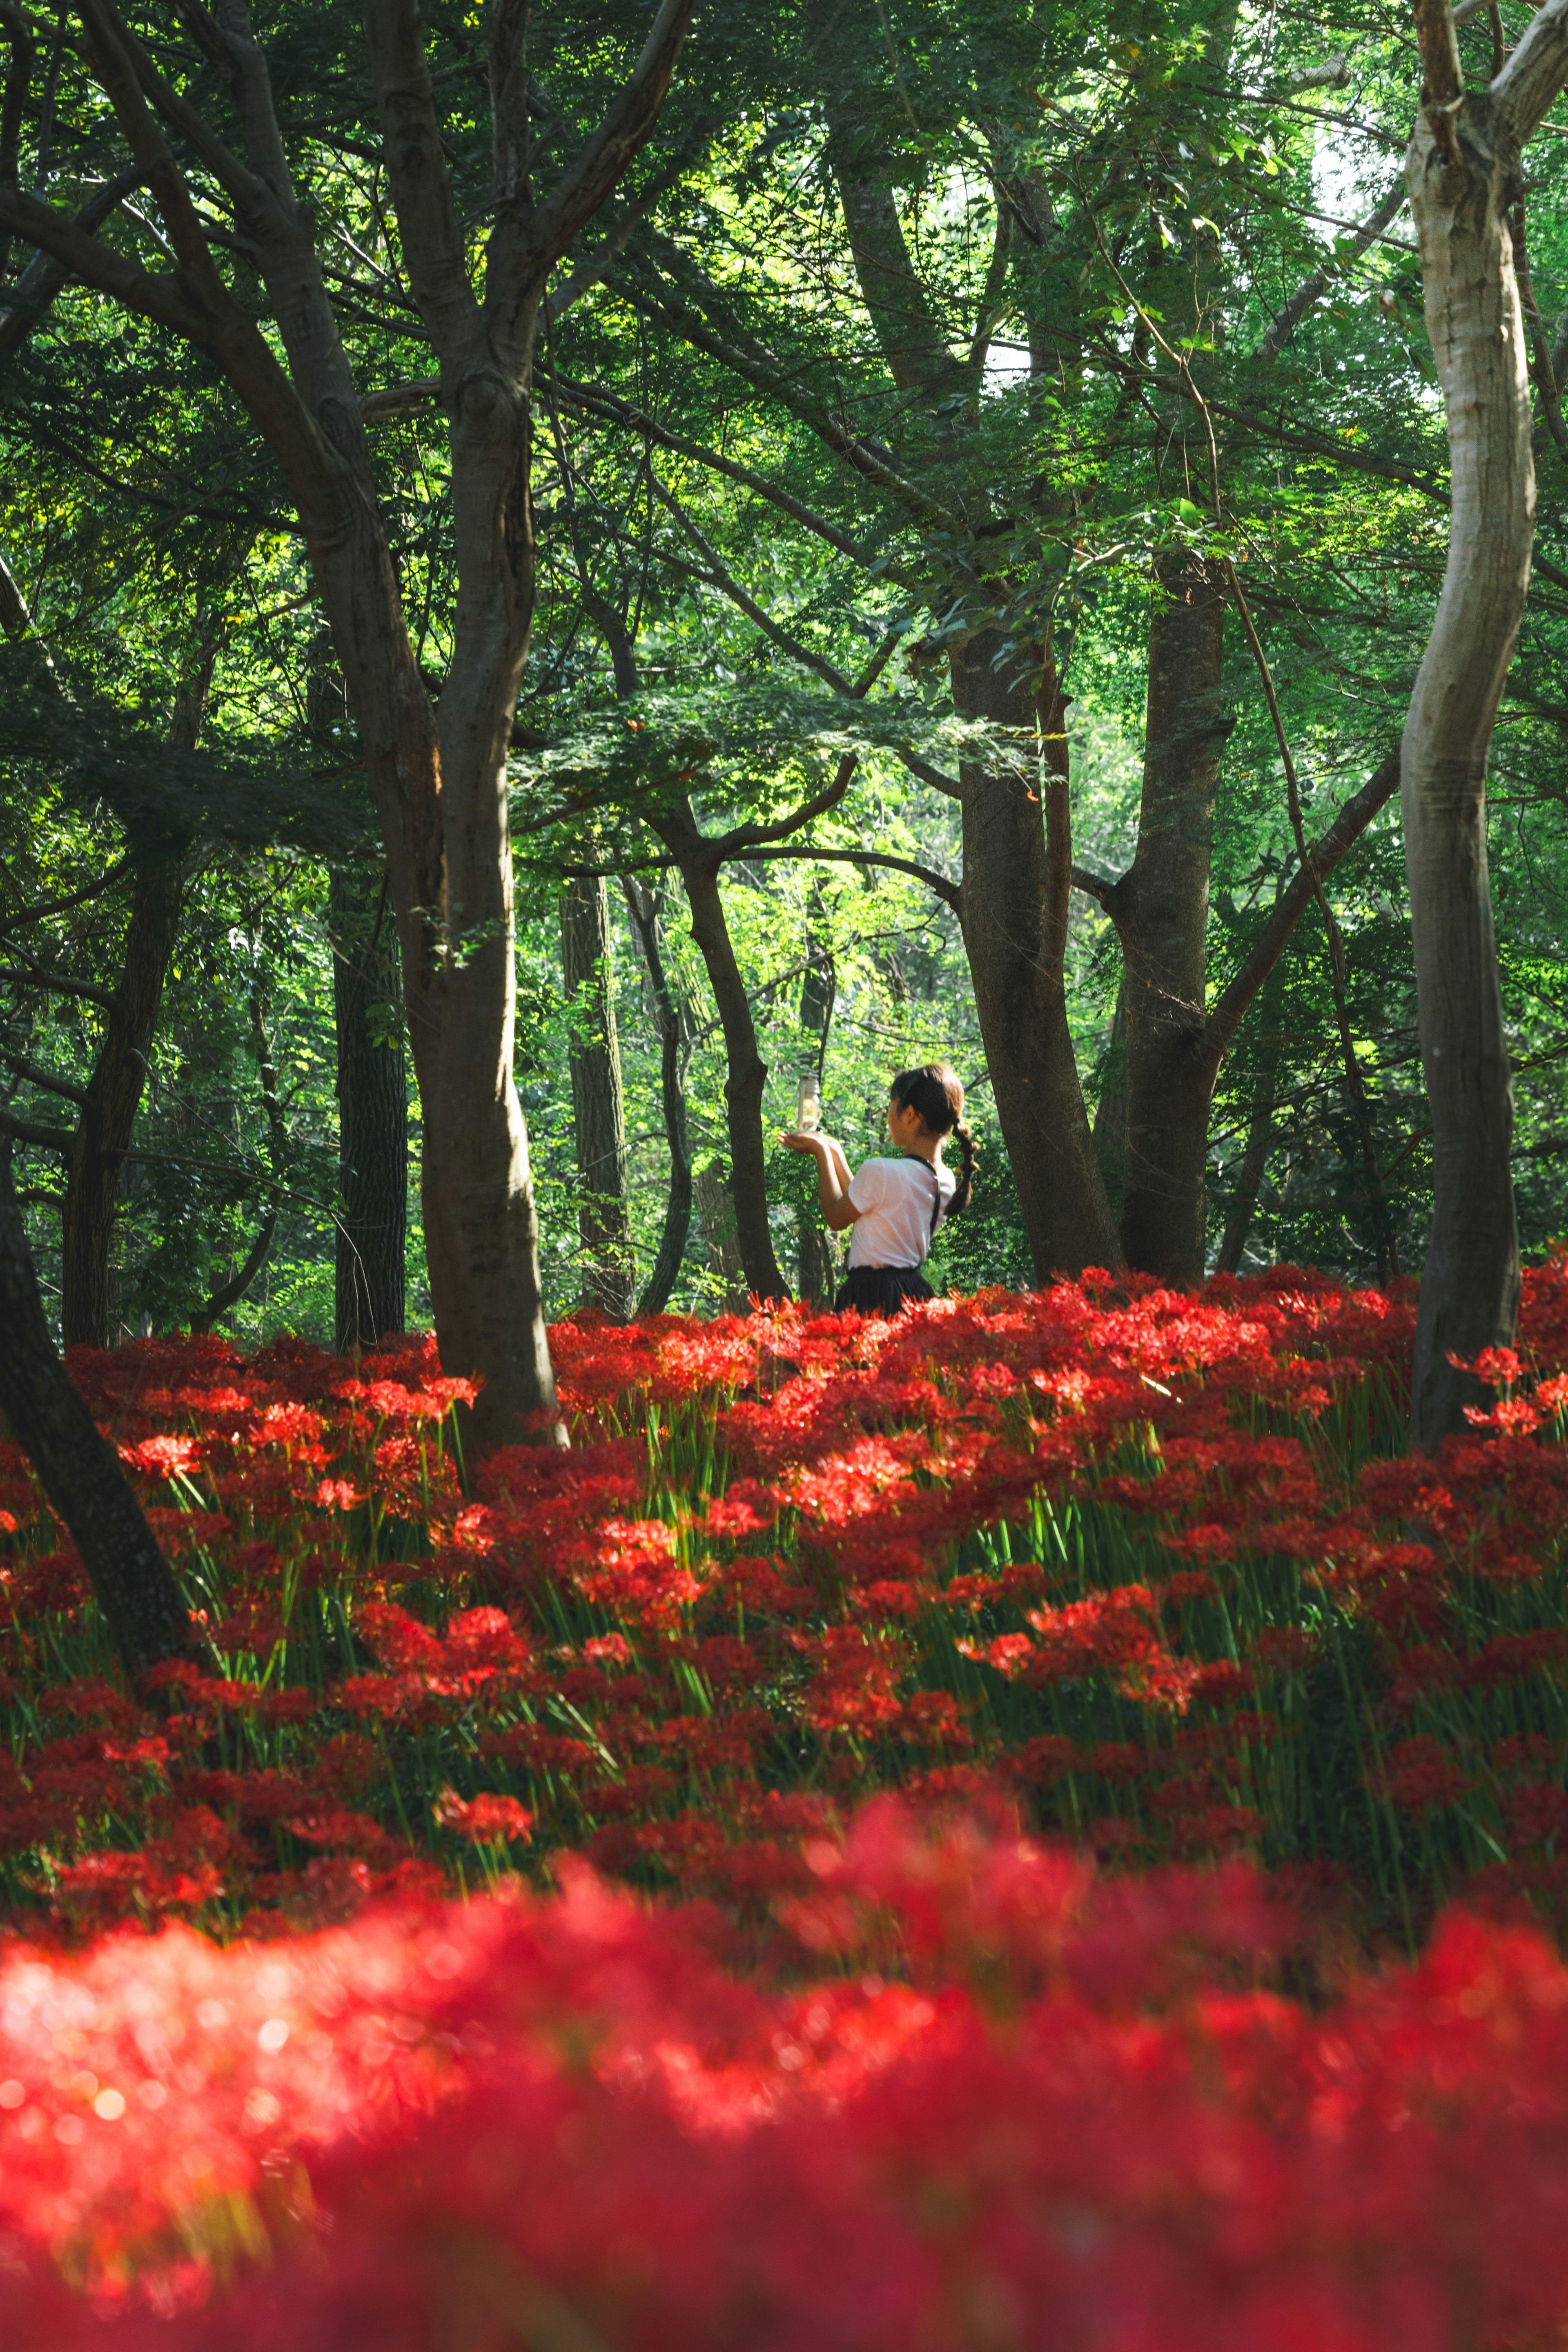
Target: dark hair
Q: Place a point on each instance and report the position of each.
(934, 1095)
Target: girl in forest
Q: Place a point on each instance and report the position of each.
(895, 1206)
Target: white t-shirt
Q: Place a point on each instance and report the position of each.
(896, 1199)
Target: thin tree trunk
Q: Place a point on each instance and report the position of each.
(746, 1070)
(80, 1470)
(716, 1216)
(599, 1099)
(1018, 875)
(370, 1246)
(1109, 1133)
(1160, 911)
(108, 1117)
(667, 1010)
(1463, 168)
(817, 1260)
(1259, 1128)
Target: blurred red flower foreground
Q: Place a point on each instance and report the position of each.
(1039, 1826)
(567, 2123)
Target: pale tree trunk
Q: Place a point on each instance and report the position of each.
(1463, 172)
(598, 1099)
(440, 785)
(1160, 910)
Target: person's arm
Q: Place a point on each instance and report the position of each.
(833, 1179)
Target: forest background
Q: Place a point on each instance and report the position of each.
(916, 345)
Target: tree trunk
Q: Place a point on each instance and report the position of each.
(598, 1099)
(1463, 168)
(716, 1215)
(1109, 1133)
(1259, 1128)
(80, 1470)
(1016, 883)
(104, 1130)
(816, 1258)
(1160, 911)
(667, 1010)
(371, 1270)
(747, 1071)
(114, 1096)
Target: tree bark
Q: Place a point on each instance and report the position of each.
(104, 1130)
(108, 1117)
(599, 1099)
(1109, 1133)
(716, 1214)
(80, 1470)
(677, 1227)
(1463, 172)
(747, 1072)
(1017, 877)
(1260, 1129)
(816, 1259)
(371, 1248)
(1160, 911)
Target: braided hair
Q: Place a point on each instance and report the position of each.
(934, 1095)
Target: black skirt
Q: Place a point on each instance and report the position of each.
(882, 1289)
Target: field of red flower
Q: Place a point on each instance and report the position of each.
(1117, 1595)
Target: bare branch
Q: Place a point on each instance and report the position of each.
(421, 186)
(1534, 75)
(116, 72)
(743, 839)
(17, 623)
(44, 277)
(1335, 74)
(43, 1138)
(1095, 886)
(932, 776)
(399, 399)
(37, 1076)
(154, 296)
(950, 892)
(598, 171)
(1312, 288)
(598, 402)
(769, 375)
(717, 576)
(1321, 861)
(248, 193)
(57, 985)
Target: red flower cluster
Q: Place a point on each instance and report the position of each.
(1152, 1565)
(1017, 2102)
